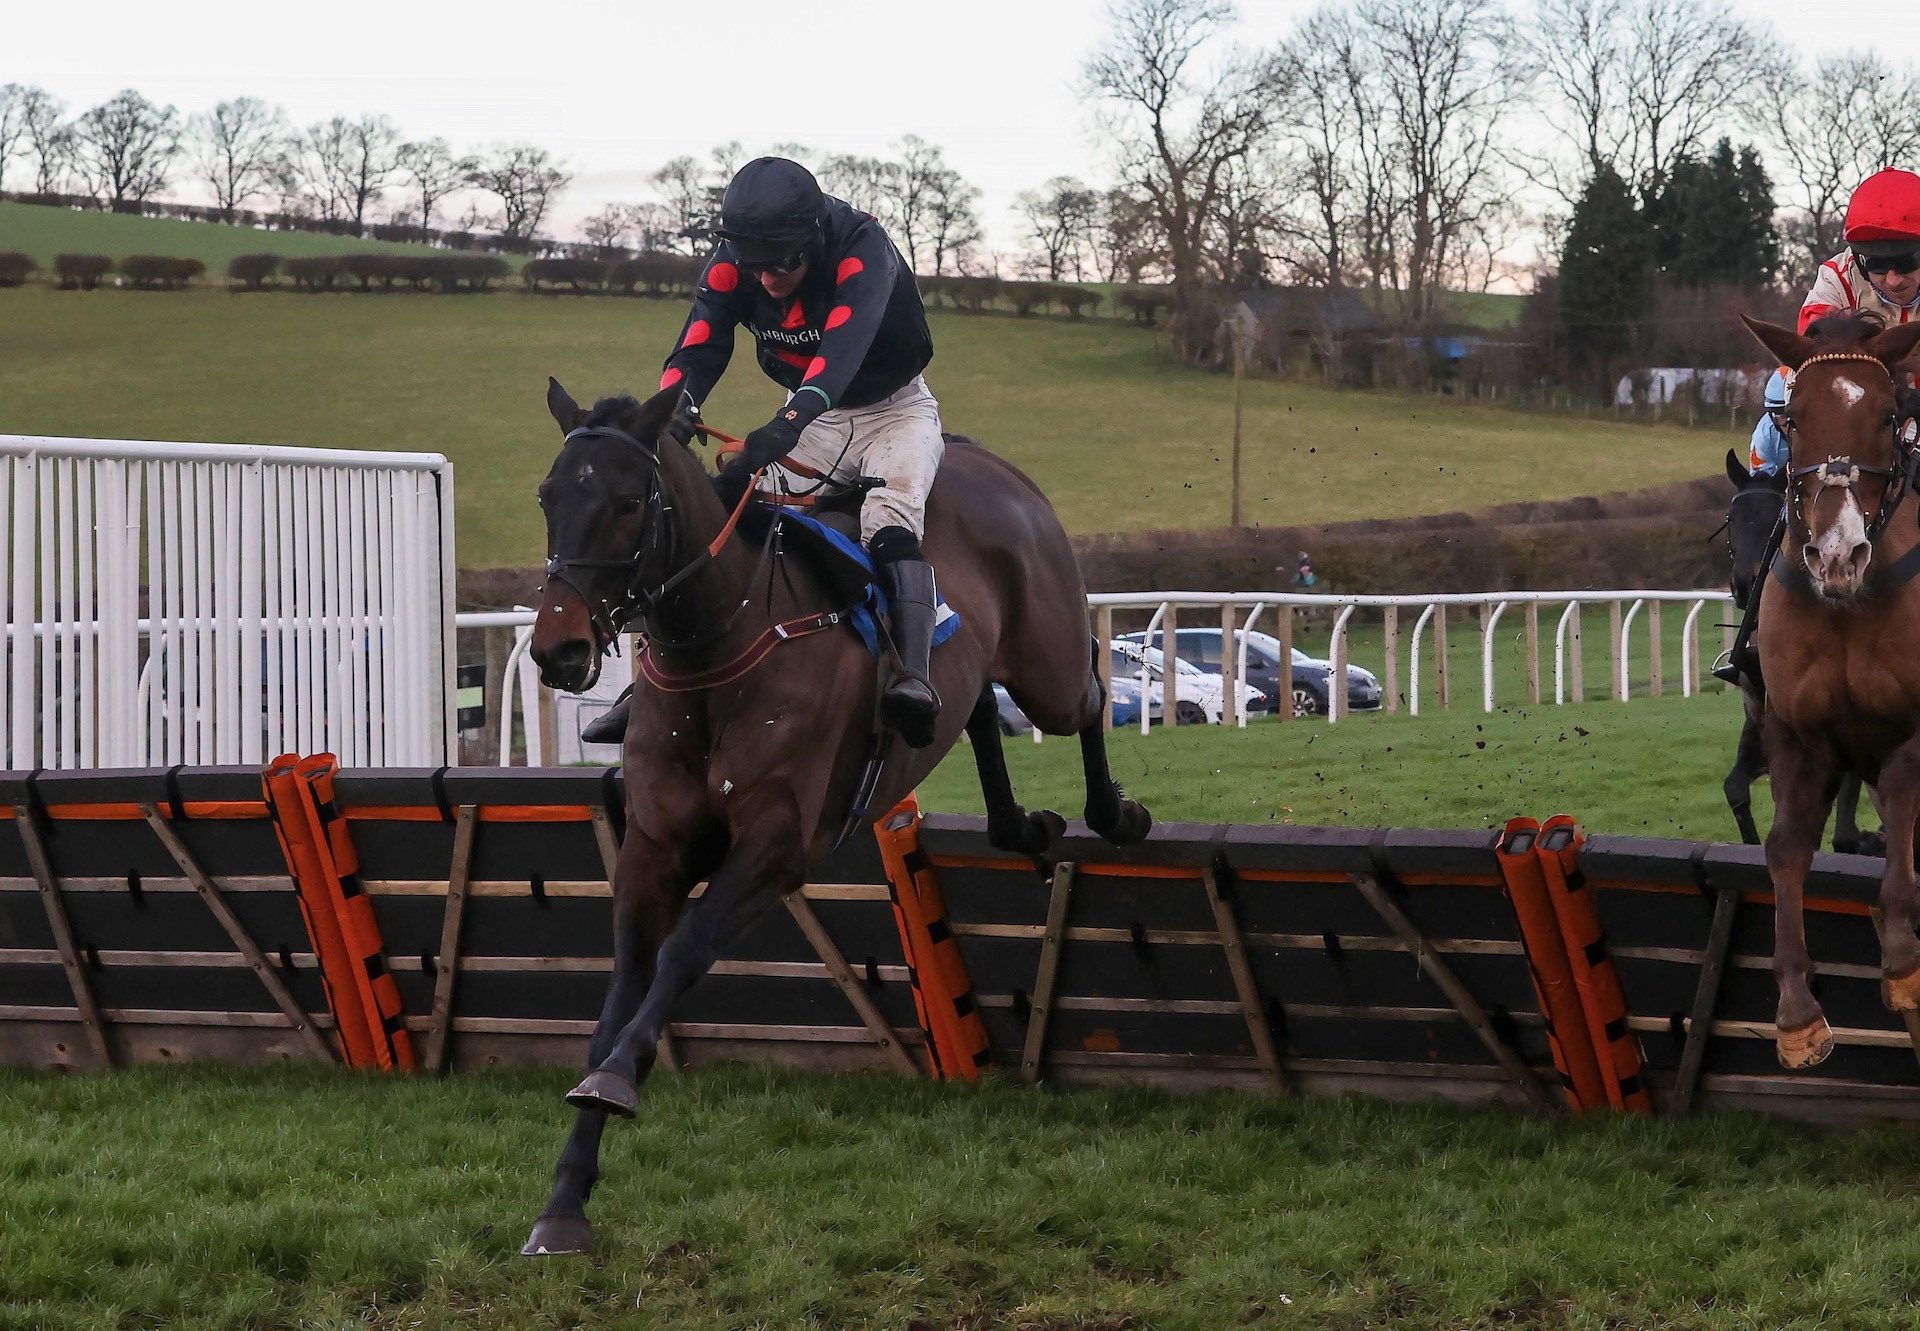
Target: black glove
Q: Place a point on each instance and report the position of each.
(686, 417)
(732, 481)
(774, 440)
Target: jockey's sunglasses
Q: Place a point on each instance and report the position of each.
(785, 267)
(1888, 263)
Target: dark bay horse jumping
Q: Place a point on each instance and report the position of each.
(1751, 515)
(752, 724)
(1839, 623)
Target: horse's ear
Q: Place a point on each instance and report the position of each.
(1736, 470)
(1787, 346)
(657, 410)
(1894, 345)
(566, 412)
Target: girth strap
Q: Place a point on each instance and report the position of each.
(1792, 574)
(756, 652)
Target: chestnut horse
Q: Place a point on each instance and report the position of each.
(753, 722)
(1839, 621)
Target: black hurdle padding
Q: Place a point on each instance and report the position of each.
(1656, 899)
(1291, 889)
(95, 858)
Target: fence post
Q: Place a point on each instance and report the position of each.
(1392, 622)
(1577, 666)
(1653, 646)
(1285, 634)
(1442, 677)
(1170, 662)
(1533, 652)
(1229, 667)
(1103, 661)
(1616, 666)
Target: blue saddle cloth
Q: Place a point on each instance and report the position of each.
(864, 615)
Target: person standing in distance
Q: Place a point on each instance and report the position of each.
(837, 321)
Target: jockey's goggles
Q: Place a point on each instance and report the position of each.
(1906, 261)
(785, 266)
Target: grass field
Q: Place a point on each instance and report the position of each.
(45, 232)
(747, 1198)
(1651, 767)
(1120, 438)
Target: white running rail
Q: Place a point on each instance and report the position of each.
(222, 603)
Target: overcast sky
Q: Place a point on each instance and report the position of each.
(616, 89)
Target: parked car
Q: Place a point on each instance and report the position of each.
(1306, 679)
(1126, 707)
(1198, 697)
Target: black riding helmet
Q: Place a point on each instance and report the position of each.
(772, 211)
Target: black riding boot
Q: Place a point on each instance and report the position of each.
(910, 706)
(610, 727)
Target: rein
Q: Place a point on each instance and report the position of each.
(609, 616)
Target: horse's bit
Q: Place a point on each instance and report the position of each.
(1843, 473)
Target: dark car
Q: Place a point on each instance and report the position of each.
(1306, 680)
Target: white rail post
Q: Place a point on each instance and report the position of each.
(1283, 680)
(1146, 678)
(1337, 658)
(1413, 659)
(1622, 643)
(1486, 655)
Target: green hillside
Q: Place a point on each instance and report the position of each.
(1120, 437)
(45, 232)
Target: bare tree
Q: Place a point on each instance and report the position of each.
(13, 125)
(320, 159)
(235, 146)
(1126, 243)
(683, 189)
(434, 172)
(1832, 130)
(953, 220)
(1059, 216)
(525, 179)
(125, 147)
(609, 228)
(48, 139)
(1176, 135)
(1635, 84)
(1444, 80)
(654, 228)
(870, 183)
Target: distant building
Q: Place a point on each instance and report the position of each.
(1333, 327)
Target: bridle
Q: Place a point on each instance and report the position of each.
(1843, 472)
(609, 615)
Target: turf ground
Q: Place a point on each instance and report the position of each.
(742, 1198)
(1120, 438)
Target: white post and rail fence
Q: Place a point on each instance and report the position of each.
(172, 603)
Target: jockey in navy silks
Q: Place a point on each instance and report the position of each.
(836, 320)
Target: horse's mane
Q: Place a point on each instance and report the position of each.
(1844, 330)
(614, 410)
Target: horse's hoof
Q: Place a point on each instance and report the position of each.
(1131, 827)
(559, 1236)
(1805, 1047)
(606, 1090)
(1901, 994)
(1044, 827)
(1874, 844)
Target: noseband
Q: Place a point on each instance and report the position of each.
(1843, 472)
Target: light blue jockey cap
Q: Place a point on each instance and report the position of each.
(1776, 394)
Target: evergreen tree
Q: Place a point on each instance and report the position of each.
(1605, 274)
(1712, 220)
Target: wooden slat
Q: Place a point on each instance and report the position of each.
(448, 959)
(1706, 998)
(823, 945)
(1252, 1006)
(62, 928)
(155, 883)
(216, 904)
(1033, 1054)
(1431, 963)
(1478, 947)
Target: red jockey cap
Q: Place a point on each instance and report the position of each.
(1884, 212)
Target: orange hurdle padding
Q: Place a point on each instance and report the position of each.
(1553, 983)
(295, 830)
(942, 989)
(379, 995)
(1594, 974)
